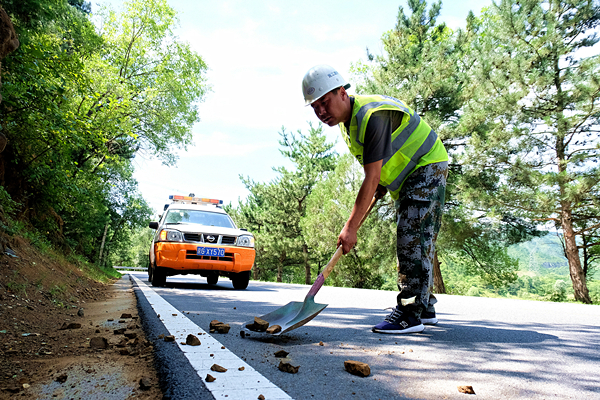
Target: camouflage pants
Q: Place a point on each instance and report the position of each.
(419, 216)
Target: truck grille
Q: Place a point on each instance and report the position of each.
(228, 239)
(203, 238)
(192, 237)
(191, 255)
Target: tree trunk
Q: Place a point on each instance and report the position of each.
(566, 216)
(255, 272)
(280, 267)
(306, 265)
(438, 280)
(572, 253)
(102, 245)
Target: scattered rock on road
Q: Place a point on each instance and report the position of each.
(210, 378)
(281, 353)
(218, 368)
(218, 326)
(287, 367)
(274, 329)
(192, 340)
(466, 389)
(259, 325)
(169, 338)
(357, 368)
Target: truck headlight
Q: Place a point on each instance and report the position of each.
(168, 235)
(245, 241)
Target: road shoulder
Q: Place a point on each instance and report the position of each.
(98, 350)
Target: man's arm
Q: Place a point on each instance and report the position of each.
(347, 237)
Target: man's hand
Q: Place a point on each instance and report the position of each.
(347, 239)
(380, 192)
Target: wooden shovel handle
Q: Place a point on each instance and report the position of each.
(338, 253)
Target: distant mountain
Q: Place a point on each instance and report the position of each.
(542, 255)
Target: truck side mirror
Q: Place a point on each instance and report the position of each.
(153, 225)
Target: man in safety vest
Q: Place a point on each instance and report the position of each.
(400, 153)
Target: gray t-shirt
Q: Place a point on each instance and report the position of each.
(378, 136)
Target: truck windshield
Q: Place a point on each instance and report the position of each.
(198, 217)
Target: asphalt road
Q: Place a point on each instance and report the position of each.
(504, 349)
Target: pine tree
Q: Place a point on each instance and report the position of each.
(533, 114)
(427, 65)
(274, 210)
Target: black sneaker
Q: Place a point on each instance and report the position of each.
(399, 322)
(428, 318)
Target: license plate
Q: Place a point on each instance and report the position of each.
(210, 251)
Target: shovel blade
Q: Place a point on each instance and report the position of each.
(291, 316)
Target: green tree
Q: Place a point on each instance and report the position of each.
(533, 113)
(589, 245)
(423, 64)
(372, 261)
(428, 65)
(80, 103)
(273, 210)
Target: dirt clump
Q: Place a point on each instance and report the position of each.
(273, 329)
(98, 343)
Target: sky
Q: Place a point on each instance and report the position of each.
(257, 53)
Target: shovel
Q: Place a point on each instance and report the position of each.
(295, 314)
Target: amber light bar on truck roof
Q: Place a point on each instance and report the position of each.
(194, 200)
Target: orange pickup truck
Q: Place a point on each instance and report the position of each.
(196, 236)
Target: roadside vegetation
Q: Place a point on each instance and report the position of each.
(83, 95)
(514, 97)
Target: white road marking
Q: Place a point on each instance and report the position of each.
(232, 384)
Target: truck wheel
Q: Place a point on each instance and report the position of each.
(212, 279)
(149, 271)
(240, 281)
(159, 278)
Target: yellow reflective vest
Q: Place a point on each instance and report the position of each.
(414, 143)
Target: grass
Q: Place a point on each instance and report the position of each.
(19, 288)
(93, 271)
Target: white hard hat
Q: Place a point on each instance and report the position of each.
(320, 80)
